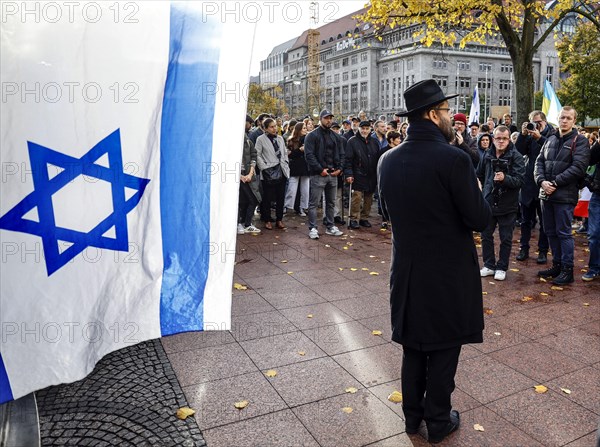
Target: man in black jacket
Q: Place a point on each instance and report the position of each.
(558, 169)
(594, 216)
(428, 178)
(362, 155)
(529, 143)
(324, 155)
(501, 172)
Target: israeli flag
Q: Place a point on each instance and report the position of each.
(122, 131)
(474, 113)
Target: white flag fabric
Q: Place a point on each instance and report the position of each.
(474, 113)
(122, 133)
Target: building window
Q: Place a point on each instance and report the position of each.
(506, 68)
(336, 97)
(485, 66)
(336, 78)
(442, 81)
(504, 84)
(336, 64)
(328, 66)
(396, 66)
(399, 87)
(440, 63)
(385, 69)
(354, 60)
(407, 83)
(345, 76)
(363, 72)
(464, 65)
(410, 63)
(364, 56)
(504, 101)
(345, 104)
(354, 74)
(345, 62)
(549, 73)
(329, 80)
(464, 82)
(363, 95)
(412, 80)
(483, 83)
(354, 97)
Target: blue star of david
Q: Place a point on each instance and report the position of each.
(44, 188)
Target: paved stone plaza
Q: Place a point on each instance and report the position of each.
(309, 313)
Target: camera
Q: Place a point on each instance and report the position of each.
(531, 126)
(500, 165)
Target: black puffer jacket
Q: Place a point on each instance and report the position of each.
(314, 150)
(563, 161)
(509, 188)
(530, 148)
(362, 156)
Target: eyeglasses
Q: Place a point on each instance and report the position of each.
(447, 109)
(501, 139)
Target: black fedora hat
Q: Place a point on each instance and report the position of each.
(422, 95)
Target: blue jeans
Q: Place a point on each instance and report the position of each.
(318, 184)
(557, 223)
(528, 213)
(593, 233)
(506, 225)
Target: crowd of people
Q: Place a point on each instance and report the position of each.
(529, 176)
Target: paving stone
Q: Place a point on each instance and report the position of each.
(322, 314)
(345, 337)
(373, 365)
(584, 386)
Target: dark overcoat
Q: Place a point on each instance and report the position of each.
(429, 192)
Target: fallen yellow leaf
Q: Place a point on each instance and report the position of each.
(493, 283)
(371, 256)
(374, 274)
(271, 373)
(290, 273)
(350, 244)
(514, 270)
(556, 288)
(364, 269)
(184, 412)
(526, 298)
(284, 261)
(395, 397)
(340, 269)
(540, 389)
(543, 279)
(309, 316)
(351, 390)
(353, 269)
(376, 332)
(586, 304)
(241, 405)
(484, 293)
(478, 427)
(566, 390)
(487, 311)
(543, 294)
(327, 245)
(347, 410)
(238, 286)
(302, 353)
(383, 230)
(584, 270)
(345, 248)
(478, 245)
(497, 333)
(274, 243)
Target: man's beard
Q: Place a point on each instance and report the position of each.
(447, 130)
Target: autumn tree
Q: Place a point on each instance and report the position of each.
(523, 25)
(580, 57)
(263, 101)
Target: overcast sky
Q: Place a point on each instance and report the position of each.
(280, 21)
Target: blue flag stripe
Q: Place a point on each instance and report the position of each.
(5, 390)
(186, 153)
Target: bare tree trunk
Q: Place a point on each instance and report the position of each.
(523, 72)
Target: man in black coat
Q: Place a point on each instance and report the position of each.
(501, 172)
(560, 166)
(428, 178)
(360, 169)
(529, 143)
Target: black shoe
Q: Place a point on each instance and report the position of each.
(565, 277)
(364, 223)
(542, 258)
(437, 433)
(517, 223)
(412, 429)
(384, 225)
(553, 271)
(338, 220)
(353, 225)
(523, 254)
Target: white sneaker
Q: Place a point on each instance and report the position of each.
(251, 230)
(302, 213)
(486, 272)
(241, 229)
(313, 233)
(333, 231)
(500, 275)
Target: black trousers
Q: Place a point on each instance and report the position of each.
(427, 384)
(248, 204)
(272, 193)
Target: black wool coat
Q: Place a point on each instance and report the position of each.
(362, 156)
(429, 192)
